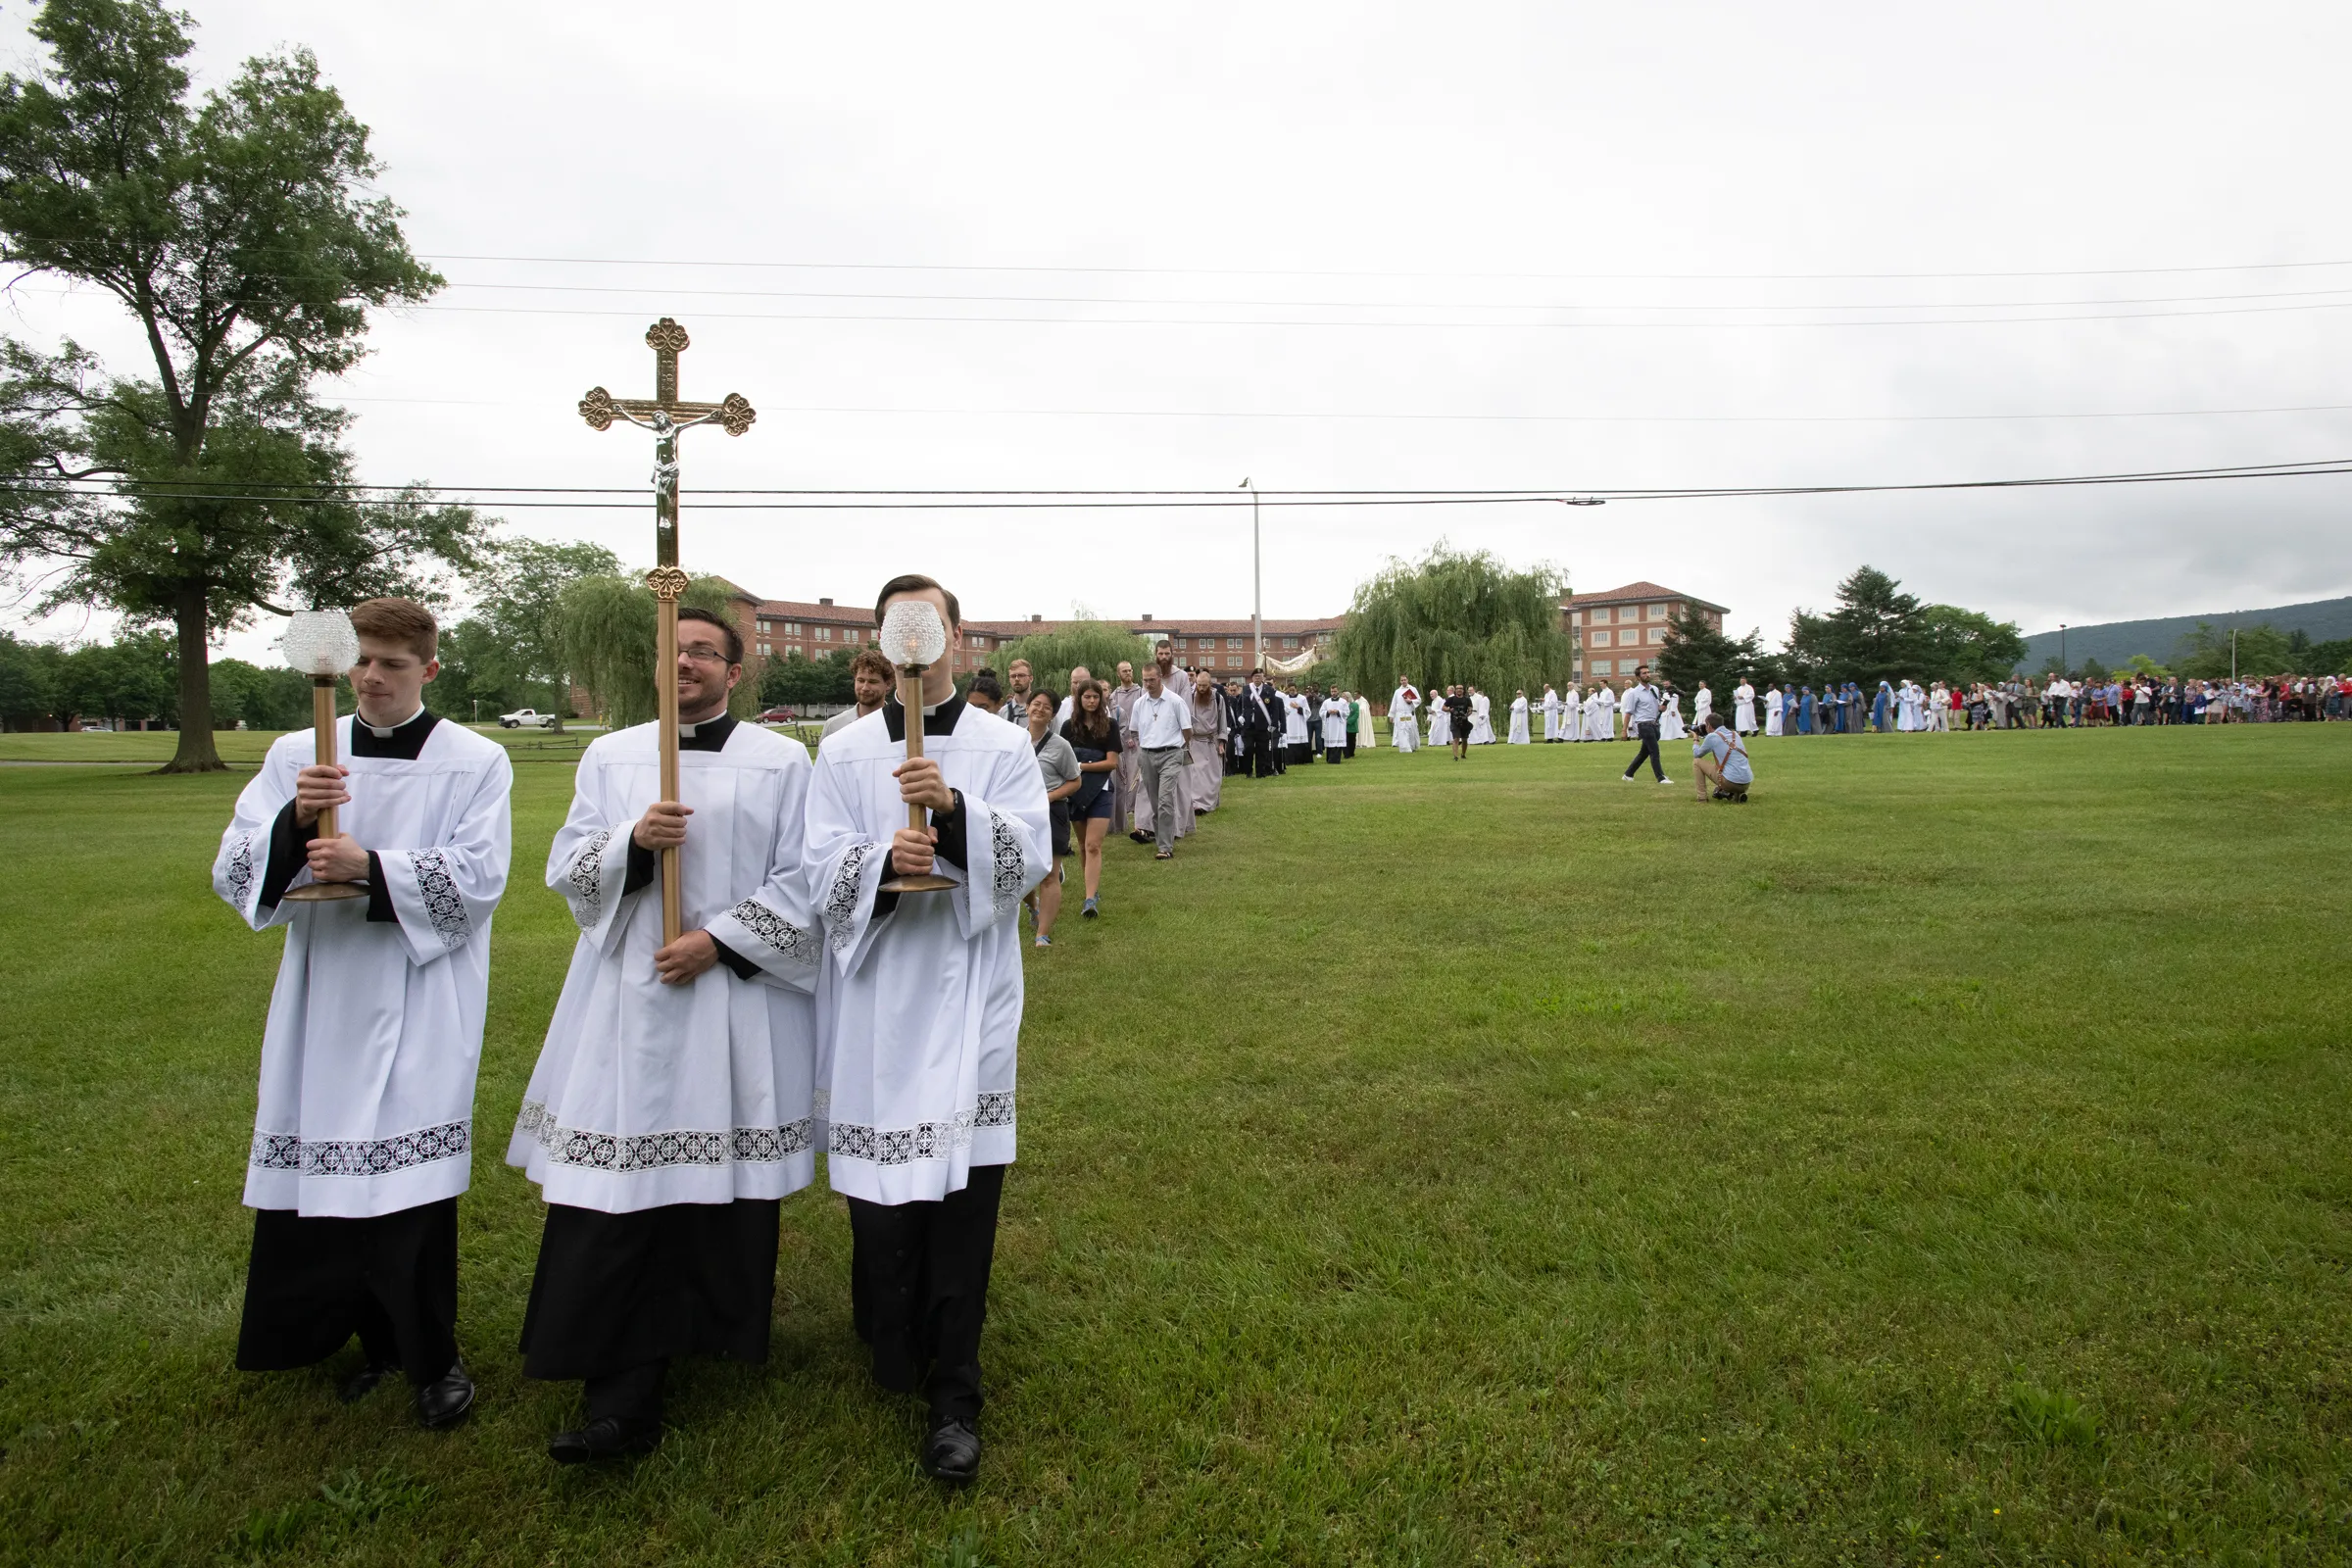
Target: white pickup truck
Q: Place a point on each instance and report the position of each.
(526, 719)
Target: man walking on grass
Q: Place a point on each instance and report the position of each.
(1163, 723)
(363, 1135)
(1639, 704)
(921, 1003)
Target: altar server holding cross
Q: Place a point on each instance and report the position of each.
(672, 1105)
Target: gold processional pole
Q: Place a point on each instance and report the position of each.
(322, 644)
(913, 639)
(666, 416)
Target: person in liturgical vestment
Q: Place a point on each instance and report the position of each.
(1404, 726)
(670, 1108)
(921, 1007)
(1481, 718)
(1441, 717)
(1518, 731)
(362, 1134)
(1334, 715)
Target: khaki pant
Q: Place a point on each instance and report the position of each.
(1160, 770)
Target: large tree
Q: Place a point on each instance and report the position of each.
(1452, 618)
(241, 233)
(1697, 654)
(519, 589)
(1099, 644)
(606, 627)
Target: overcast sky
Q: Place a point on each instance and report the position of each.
(1529, 239)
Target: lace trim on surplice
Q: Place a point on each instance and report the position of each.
(925, 1139)
(362, 1157)
(641, 1152)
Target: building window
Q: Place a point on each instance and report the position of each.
(792, 628)
(1289, 642)
(1600, 639)
(1657, 611)
(1234, 643)
(824, 634)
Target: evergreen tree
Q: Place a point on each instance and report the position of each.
(1697, 654)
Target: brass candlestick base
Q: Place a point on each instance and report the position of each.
(928, 882)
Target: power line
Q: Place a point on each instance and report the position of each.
(1179, 321)
(1216, 271)
(1372, 304)
(1197, 500)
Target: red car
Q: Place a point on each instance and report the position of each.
(779, 715)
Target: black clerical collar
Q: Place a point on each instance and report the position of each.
(940, 720)
(403, 742)
(710, 735)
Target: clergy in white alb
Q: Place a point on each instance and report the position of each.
(1440, 718)
(671, 1106)
(1551, 714)
(1404, 725)
(364, 1132)
(1744, 708)
(1334, 715)
(1481, 718)
(921, 1003)
(1518, 731)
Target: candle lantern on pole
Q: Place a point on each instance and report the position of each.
(322, 644)
(913, 639)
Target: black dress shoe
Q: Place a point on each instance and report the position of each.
(951, 1452)
(607, 1437)
(444, 1402)
(362, 1383)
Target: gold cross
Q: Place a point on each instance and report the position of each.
(666, 416)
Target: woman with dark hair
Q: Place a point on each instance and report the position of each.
(1094, 737)
(1057, 763)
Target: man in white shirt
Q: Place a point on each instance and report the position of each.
(1162, 723)
(1079, 676)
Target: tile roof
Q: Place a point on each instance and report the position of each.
(1636, 591)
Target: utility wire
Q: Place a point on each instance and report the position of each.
(1217, 271)
(1017, 501)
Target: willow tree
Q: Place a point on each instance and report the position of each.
(243, 234)
(1452, 618)
(1099, 644)
(605, 633)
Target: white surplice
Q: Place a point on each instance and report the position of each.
(922, 998)
(1294, 719)
(1551, 713)
(1670, 718)
(1775, 712)
(376, 1026)
(1518, 731)
(1572, 714)
(1482, 719)
(1441, 721)
(1702, 707)
(1404, 726)
(648, 1094)
(1744, 709)
(1334, 724)
(1367, 736)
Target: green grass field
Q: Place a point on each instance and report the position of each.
(1942, 1159)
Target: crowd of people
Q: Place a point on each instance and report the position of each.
(1147, 757)
(2053, 702)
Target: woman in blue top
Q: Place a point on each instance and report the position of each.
(1882, 709)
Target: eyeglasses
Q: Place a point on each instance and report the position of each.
(706, 655)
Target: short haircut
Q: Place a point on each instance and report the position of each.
(1022, 664)
(401, 621)
(870, 659)
(1048, 694)
(915, 582)
(712, 617)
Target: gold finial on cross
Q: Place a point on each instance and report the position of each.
(665, 415)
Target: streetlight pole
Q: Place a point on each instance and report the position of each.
(1257, 624)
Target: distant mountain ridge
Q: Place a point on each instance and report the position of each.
(2113, 643)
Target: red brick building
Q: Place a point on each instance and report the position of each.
(775, 628)
(1614, 632)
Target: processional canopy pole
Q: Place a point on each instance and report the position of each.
(913, 639)
(322, 644)
(666, 414)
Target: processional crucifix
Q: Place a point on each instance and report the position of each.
(666, 416)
